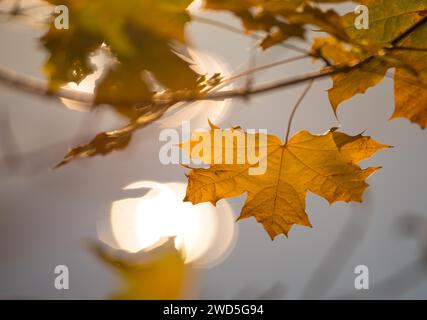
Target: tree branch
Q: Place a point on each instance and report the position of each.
(37, 87)
(30, 85)
(264, 67)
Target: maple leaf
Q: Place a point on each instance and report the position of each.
(282, 19)
(396, 38)
(410, 84)
(387, 20)
(326, 165)
(159, 274)
(367, 73)
(142, 35)
(107, 142)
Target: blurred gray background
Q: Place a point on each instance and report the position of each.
(46, 214)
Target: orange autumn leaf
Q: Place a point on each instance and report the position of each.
(326, 165)
(281, 20)
(396, 38)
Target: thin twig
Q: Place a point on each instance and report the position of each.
(340, 252)
(264, 67)
(294, 110)
(8, 142)
(392, 287)
(31, 85)
(254, 36)
(409, 49)
(252, 65)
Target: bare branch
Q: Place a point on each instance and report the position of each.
(34, 86)
(264, 67)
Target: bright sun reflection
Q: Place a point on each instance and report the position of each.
(198, 112)
(204, 233)
(101, 59)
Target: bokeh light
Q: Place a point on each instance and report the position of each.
(203, 232)
(100, 60)
(197, 112)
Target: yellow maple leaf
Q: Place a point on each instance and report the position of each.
(410, 84)
(282, 19)
(159, 274)
(356, 81)
(323, 164)
(396, 38)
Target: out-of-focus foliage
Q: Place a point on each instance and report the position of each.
(143, 36)
(107, 142)
(159, 274)
(281, 20)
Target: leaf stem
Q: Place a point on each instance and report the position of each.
(294, 110)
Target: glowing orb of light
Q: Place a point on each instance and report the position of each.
(204, 233)
(197, 112)
(101, 59)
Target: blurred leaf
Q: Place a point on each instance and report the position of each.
(106, 142)
(143, 36)
(159, 274)
(282, 19)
